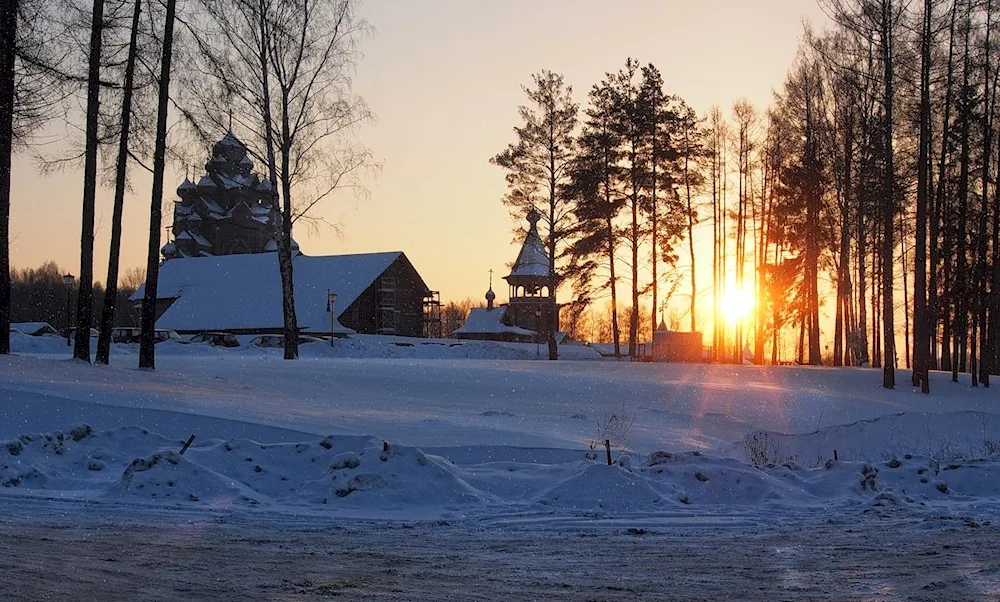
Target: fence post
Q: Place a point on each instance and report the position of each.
(607, 448)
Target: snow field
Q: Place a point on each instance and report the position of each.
(367, 477)
(472, 434)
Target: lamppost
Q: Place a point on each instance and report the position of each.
(331, 299)
(538, 331)
(68, 281)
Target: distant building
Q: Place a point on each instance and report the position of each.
(674, 346)
(231, 210)
(377, 293)
(530, 310)
(220, 271)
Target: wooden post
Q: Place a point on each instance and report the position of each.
(835, 456)
(385, 446)
(607, 448)
(187, 444)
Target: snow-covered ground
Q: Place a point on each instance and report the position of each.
(490, 441)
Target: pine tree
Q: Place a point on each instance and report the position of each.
(538, 165)
(597, 203)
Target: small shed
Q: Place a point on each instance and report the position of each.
(675, 346)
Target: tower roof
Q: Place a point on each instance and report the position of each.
(532, 262)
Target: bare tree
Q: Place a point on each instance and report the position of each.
(111, 293)
(286, 67)
(85, 296)
(8, 44)
(147, 355)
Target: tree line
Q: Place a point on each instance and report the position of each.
(870, 184)
(616, 184)
(889, 133)
(42, 295)
(277, 71)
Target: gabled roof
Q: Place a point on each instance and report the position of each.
(236, 292)
(490, 321)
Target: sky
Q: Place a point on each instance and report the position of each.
(444, 79)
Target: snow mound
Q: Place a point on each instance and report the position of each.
(608, 488)
(948, 436)
(370, 477)
(167, 476)
(78, 459)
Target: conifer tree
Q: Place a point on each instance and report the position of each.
(538, 167)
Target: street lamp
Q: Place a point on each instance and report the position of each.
(68, 281)
(331, 299)
(538, 332)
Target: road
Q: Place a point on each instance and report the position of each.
(103, 553)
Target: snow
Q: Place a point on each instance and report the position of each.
(490, 321)
(34, 328)
(213, 207)
(468, 446)
(532, 260)
(198, 238)
(234, 292)
(231, 141)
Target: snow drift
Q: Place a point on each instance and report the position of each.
(369, 477)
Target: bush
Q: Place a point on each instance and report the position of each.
(762, 450)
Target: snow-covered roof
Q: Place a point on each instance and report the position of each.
(490, 321)
(236, 292)
(211, 205)
(201, 240)
(33, 328)
(532, 260)
(230, 140)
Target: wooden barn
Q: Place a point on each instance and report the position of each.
(376, 293)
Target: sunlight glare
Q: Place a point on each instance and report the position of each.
(736, 305)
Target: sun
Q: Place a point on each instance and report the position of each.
(735, 305)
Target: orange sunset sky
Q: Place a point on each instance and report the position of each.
(444, 78)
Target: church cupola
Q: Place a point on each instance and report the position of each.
(490, 295)
(229, 210)
(532, 303)
(530, 273)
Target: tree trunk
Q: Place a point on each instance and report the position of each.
(690, 216)
(982, 304)
(553, 318)
(85, 295)
(961, 278)
(8, 48)
(291, 329)
(921, 324)
(147, 355)
(121, 169)
(633, 325)
(615, 327)
(888, 204)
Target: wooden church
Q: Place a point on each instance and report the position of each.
(530, 310)
(220, 270)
